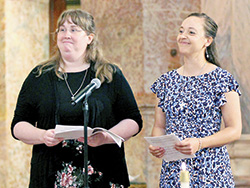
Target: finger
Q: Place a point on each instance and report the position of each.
(158, 153)
(81, 139)
(187, 152)
(179, 147)
(157, 150)
(154, 148)
(181, 144)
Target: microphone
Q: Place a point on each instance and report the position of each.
(86, 92)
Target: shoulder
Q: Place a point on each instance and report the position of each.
(224, 81)
(166, 80)
(119, 81)
(222, 75)
(115, 70)
(34, 77)
(168, 76)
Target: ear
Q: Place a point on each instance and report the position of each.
(209, 40)
(90, 37)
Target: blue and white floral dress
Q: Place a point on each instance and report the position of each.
(192, 106)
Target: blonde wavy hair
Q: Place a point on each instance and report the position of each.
(103, 68)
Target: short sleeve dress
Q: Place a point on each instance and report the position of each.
(192, 106)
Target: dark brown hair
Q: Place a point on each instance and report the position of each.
(210, 28)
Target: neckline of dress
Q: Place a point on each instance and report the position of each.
(198, 76)
(76, 72)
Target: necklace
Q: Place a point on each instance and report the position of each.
(202, 68)
(66, 81)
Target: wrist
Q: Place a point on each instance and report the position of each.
(42, 137)
(200, 144)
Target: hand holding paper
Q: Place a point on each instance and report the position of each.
(75, 132)
(167, 142)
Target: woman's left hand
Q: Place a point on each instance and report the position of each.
(95, 140)
(188, 146)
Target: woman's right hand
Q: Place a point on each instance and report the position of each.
(49, 138)
(156, 151)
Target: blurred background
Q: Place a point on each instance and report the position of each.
(138, 35)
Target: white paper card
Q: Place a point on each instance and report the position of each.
(75, 132)
(167, 142)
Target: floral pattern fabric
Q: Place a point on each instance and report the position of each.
(72, 176)
(192, 106)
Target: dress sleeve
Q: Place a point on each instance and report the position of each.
(25, 107)
(225, 83)
(159, 88)
(126, 106)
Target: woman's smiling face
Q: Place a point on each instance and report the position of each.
(191, 38)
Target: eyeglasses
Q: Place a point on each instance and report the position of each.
(73, 30)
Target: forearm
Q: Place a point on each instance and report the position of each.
(233, 125)
(158, 131)
(160, 122)
(29, 134)
(223, 137)
(125, 128)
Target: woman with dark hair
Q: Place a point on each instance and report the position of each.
(45, 101)
(191, 102)
(210, 28)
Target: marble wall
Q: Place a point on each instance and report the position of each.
(25, 26)
(159, 27)
(120, 31)
(233, 46)
(138, 35)
(3, 146)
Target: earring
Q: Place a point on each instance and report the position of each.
(207, 55)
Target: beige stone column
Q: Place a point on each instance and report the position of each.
(24, 43)
(3, 147)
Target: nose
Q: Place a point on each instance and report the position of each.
(182, 35)
(67, 34)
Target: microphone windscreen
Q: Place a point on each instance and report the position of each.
(97, 82)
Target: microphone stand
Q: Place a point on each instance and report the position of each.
(86, 92)
(86, 121)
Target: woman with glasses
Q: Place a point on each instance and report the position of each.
(45, 101)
